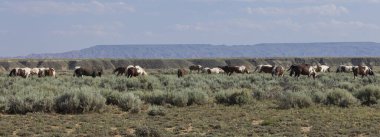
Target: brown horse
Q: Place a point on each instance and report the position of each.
(132, 72)
(80, 72)
(182, 72)
(47, 72)
(362, 70)
(120, 71)
(195, 68)
(303, 69)
(278, 71)
(231, 69)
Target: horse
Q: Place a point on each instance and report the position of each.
(141, 71)
(344, 68)
(14, 72)
(241, 69)
(278, 71)
(303, 69)
(215, 71)
(362, 70)
(259, 67)
(44, 72)
(195, 68)
(80, 72)
(181, 72)
(265, 68)
(132, 72)
(321, 68)
(205, 70)
(120, 71)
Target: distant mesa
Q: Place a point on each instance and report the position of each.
(161, 51)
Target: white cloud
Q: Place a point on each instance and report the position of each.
(325, 10)
(342, 25)
(57, 7)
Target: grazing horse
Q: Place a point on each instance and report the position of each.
(278, 71)
(205, 70)
(24, 72)
(215, 71)
(266, 69)
(120, 71)
(141, 71)
(241, 69)
(344, 68)
(14, 72)
(260, 68)
(321, 68)
(231, 69)
(80, 72)
(195, 68)
(132, 72)
(34, 71)
(303, 69)
(362, 70)
(47, 72)
(181, 72)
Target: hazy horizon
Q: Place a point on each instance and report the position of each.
(44, 26)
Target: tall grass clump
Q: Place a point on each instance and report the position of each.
(196, 97)
(125, 101)
(128, 101)
(79, 101)
(25, 103)
(369, 95)
(3, 104)
(295, 100)
(232, 97)
(340, 97)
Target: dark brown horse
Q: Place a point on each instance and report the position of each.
(182, 72)
(14, 72)
(132, 72)
(303, 69)
(120, 71)
(80, 72)
(195, 68)
(229, 69)
(362, 70)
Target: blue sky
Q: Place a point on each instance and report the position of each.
(47, 26)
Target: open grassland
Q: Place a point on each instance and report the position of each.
(196, 105)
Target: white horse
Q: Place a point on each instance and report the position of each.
(215, 71)
(141, 71)
(260, 66)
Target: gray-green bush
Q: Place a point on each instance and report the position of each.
(295, 100)
(79, 101)
(369, 95)
(233, 97)
(340, 97)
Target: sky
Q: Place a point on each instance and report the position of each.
(47, 26)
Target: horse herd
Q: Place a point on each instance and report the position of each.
(296, 70)
(27, 72)
(135, 70)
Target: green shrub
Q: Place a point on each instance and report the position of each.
(22, 104)
(3, 103)
(129, 101)
(147, 132)
(156, 110)
(155, 97)
(319, 97)
(369, 95)
(80, 101)
(340, 97)
(16, 105)
(197, 97)
(295, 100)
(179, 99)
(232, 97)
